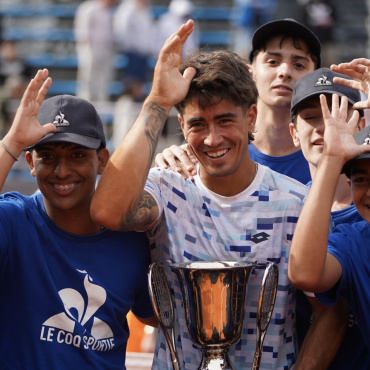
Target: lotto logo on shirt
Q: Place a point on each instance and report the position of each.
(60, 328)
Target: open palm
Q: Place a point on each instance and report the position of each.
(169, 85)
(26, 129)
(359, 70)
(338, 137)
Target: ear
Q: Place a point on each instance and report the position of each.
(251, 71)
(294, 133)
(251, 116)
(103, 158)
(181, 120)
(29, 160)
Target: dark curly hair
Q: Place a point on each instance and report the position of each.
(220, 75)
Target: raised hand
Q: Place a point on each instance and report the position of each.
(26, 130)
(169, 85)
(359, 70)
(339, 143)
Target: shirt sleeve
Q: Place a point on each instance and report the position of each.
(337, 246)
(11, 216)
(152, 186)
(142, 306)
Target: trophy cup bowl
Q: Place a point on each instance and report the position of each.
(213, 296)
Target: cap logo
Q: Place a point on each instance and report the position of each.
(322, 81)
(60, 121)
(367, 141)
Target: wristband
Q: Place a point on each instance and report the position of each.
(8, 150)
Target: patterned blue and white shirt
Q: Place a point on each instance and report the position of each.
(258, 224)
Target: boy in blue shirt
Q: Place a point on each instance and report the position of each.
(66, 284)
(338, 264)
(307, 129)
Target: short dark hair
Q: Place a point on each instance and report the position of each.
(220, 75)
(296, 43)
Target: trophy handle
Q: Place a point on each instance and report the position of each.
(266, 302)
(164, 311)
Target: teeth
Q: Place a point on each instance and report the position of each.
(218, 154)
(64, 187)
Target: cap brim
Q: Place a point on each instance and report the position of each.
(318, 93)
(69, 138)
(347, 166)
(282, 26)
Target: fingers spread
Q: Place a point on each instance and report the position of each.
(343, 107)
(324, 108)
(354, 119)
(335, 106)
(43, 91)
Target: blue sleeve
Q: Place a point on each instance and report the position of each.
(338, 246)
(142, 306)
(12, 210)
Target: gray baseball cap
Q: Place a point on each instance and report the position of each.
(321, 82)
(76, 119)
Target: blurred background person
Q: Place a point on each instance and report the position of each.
(179, 12)
(319, 16)
(14, 78)
(94, 47)
(127, 109)
(249, 15)
(135, 35)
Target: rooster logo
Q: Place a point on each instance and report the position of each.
(74, 302)
(60, 121)
(322, 81)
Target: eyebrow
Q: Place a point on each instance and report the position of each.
(293, 56)
(202, 119)
(358, 172)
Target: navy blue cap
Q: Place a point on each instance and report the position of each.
(76, 119)
(286, 26)
(361, 138)
(321, 82)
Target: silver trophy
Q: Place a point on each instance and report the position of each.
(213, 295)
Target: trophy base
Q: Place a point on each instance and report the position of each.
(215, 359)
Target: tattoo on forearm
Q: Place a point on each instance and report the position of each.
(144, 209)
(155, 118)
(141, 213)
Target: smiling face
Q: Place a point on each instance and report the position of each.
(277, 68)
(66, 174)
(360, 187)
(218, 136)
(309, 129)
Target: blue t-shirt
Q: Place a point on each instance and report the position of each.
(347, 215)
(352, 353)
(64, 297)
(293, 165)
(349, 245)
